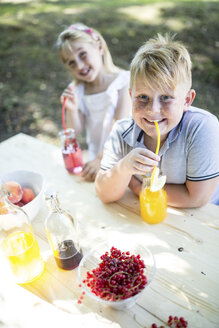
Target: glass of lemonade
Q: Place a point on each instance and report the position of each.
(153, 204)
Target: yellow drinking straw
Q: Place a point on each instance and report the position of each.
(156, 152)
(158, 137)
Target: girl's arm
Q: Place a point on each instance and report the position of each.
(75, 119)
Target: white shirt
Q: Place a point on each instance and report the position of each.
(99, 110)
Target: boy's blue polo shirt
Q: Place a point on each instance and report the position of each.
(190, 152)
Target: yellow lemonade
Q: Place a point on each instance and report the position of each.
(23, 253)
(153, 205)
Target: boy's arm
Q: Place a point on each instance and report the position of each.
(192, 194)
(111, 184)
(135, 185)
(202, 162)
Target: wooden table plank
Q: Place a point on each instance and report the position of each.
(187, 281)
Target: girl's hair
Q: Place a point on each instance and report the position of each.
(83, 33)
(162, 63)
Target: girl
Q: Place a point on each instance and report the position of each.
(99, 94)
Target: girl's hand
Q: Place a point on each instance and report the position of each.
(139, 161)
(72, 98)
(90, 169)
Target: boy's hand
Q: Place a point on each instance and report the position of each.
(139, 161)
(90, 169)
(72, 98)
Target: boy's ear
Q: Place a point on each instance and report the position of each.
(130, 92)
(189, 98)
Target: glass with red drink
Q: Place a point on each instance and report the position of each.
(71, 151)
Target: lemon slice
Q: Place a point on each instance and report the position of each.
(157, 182)
(154, 175)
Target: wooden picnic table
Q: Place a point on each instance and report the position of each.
(185, 246)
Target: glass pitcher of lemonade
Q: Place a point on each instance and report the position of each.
(153, 204)
(17, 241)
(71, 151)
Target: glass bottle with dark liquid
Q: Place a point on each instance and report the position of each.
(61, 232)
(71, 151)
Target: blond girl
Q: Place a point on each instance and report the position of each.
(99, 93)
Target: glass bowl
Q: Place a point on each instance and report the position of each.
(29, 179)
(92, 259)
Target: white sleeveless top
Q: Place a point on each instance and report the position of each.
(99, 110)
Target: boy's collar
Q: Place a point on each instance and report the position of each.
(135, 135)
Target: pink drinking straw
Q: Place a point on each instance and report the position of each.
(63, 115)
(63, 121)
(64, 125)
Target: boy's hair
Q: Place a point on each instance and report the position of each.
(162, 63)
(83, 33)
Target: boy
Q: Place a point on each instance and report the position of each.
(160, 90)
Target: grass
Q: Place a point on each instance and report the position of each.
(32, 78)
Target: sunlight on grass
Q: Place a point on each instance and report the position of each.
(175, 24)
(148, 14)
(151, 14)
(15, 1)
(70, 11)
(36, 7)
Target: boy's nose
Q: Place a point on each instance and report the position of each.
(155, 105)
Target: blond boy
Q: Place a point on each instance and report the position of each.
(161, 91)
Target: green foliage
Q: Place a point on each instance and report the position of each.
(32, 78)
